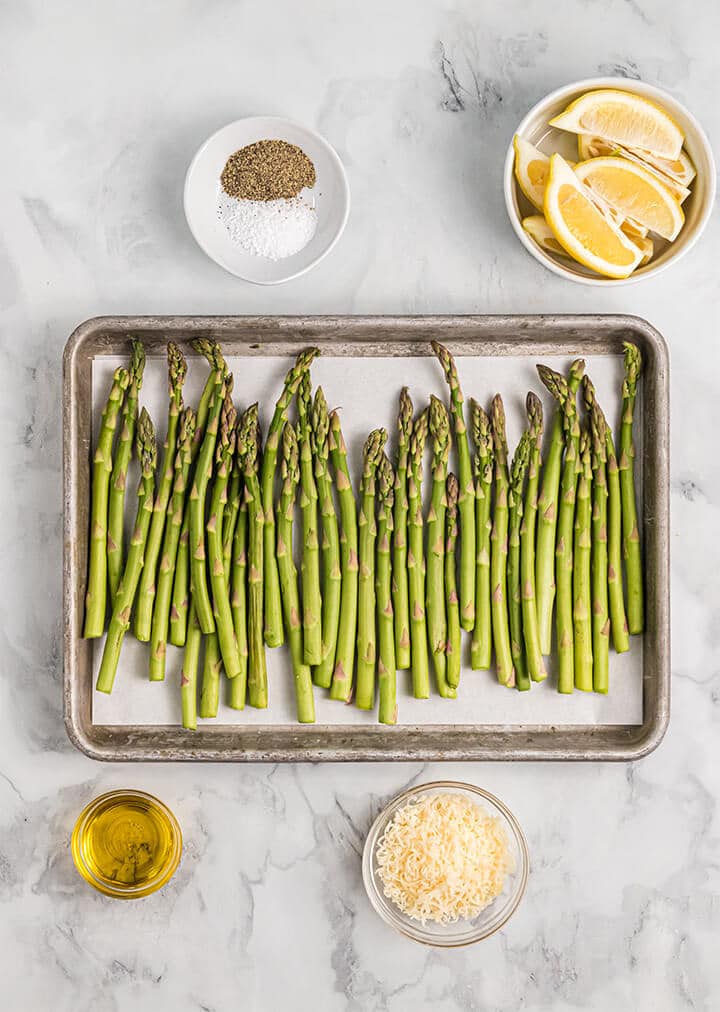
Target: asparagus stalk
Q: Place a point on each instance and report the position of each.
(582, 593)
(239, 603)
(118, 479)
(290, 471)
(249, 460)
(499, 549)
(564, 556)
(626, 466)
(400, 535)
(531, 632)
(161, 610)
(600, 613)
(518, 471)
(181, 585)
(466, 499)
(310, 565)
(367, 648)
(439, 426)
(332, 575)
(273, 606)
(342, 680)
(222, 612)
(387, 672)
(451, 595)
(189, 673)
(618, 619)
(416, 560)
(547, 516)
(481, 647)
(212, 668)
(123, 601)
(177, 370)
(198, 495)
(96, 597)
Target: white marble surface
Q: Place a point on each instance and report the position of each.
(102, 106)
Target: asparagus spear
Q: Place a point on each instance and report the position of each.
(310, 566)
(96, 597)
(581, 573)
(454, 644)
(618, 619)
(416, 560)
(531, 633)
(249, 460)
(564, 552)
(273, 606)
(198, 494)
(518, 471)
(372, 453)
(439, 426)
(626, 466)
(181, 585)
(547, 515)
(188, 675)
(600, 615)
(224, 629)
(239, 603)
(122, 604)
(342, 680)
(387, 672)
(400, 535)
(161, 610)
(290, 470)
(118, 479)
(332, 575)
(481, 647)
(212, 668)
(177, 370)
(499, 549)
(466, 499)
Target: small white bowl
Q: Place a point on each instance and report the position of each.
(535, 128)
(331, 196)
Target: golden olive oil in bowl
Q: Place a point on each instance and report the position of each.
(126, 844)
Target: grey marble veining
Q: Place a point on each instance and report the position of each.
(102, 107)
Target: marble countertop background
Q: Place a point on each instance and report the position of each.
(102, 106)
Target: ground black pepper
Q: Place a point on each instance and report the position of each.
(267, 170)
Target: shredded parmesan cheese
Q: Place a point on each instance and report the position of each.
(442, 858)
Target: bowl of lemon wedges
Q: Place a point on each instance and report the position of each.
(609, 181)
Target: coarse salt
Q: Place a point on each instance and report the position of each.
(273, 229)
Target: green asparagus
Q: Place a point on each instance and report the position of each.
(466, 499)
(454, 642)
(332, 575)
(600, 613)
(367, 532)
(189, 673)
(238, 685)
(626, 466)
(416, 560)
(582, 593)
(481, 647)
(121, 460)
(387, 671)
(531, 632)
(400, 535)
(290, 472)
(499, 549)
(310, 564)
(122, 604)
(249, 461)
(564, 557)
(342, 680)
(520, 463)
(439, 427)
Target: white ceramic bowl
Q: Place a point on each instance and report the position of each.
(697, 207)
(331, 195)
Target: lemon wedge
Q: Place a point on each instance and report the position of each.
(634, 191)
(582, 229)
(624, 118)
(598, 147)
(531, 171)
(539, 230)
(644, 243)
(681, 170)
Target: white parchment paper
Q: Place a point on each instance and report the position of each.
(366, 389)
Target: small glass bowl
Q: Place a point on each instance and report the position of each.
(169, 833)
(489, 920)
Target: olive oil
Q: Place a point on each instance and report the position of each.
(126, 844)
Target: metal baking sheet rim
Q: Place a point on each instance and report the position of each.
(547, 334)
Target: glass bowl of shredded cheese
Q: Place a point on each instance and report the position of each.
(445, 863)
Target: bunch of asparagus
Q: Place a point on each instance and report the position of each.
(211, 559)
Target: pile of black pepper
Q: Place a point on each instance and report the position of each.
(267, 170)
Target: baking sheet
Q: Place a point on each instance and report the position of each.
(366, 390)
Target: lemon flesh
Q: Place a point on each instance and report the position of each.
(539, 230)
(582, 229)
(531, 171)
(624, 118)
(635, 192)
